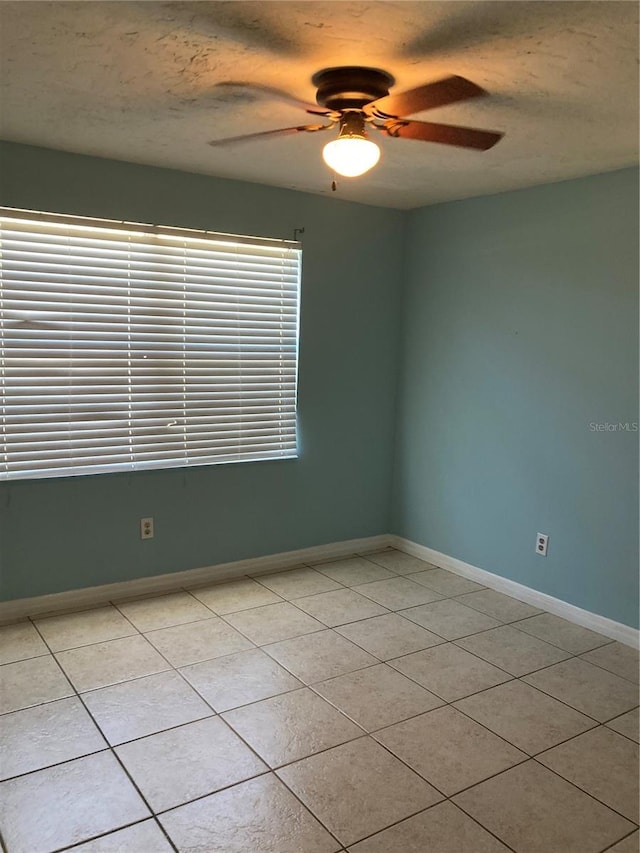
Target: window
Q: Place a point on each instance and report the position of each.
(126, 346)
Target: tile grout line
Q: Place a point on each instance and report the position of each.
(615, 731)
(445, 597)
(388, 661)
(112, 751)
(528, 756)
(455, 597)
(214, 714)
(271, 770)
(310, 685)
(468, 814)
(365, 556)
(268, 770)
(111, 832)
(455, 641)
(575, 785)
(222, 616)
(322, 627)
(449, 704)
(512, 676)
(284, 571)
(624, 838)
(155, 814)
(607, 640)
(365, 733)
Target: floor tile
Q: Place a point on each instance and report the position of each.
(296, 583)
(628, 725)
(617, 658)
(316, 657)
(291, 726)
(602, 763)
(90, 667)
(239, 679)
(163, 611)
(173, 767)
(339, 607)
(273, 623)
(399, 562)
(441, 829)
(592, 690)
(562, 633)
(198, 641)
(31, 682)
(450, 619)
(357, 789)
(398, 593)
(512, 650)
(241, 594)
(354, 571)
(534, 811)
(448, 749)
(500, 606)
(145, 706)
(87, 626)
(389, 636)
(630, 844)
(450, 672)
(66, 804)
(377, 696)
(143, 837)
(46, 734)
(20, 641)
(446, 582)
(260, 816)
(524, 716)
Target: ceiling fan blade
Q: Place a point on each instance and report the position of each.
(265, 134)
(448, 31)
(446, 134)
(438, 94)
(239, 90)
(239, 23)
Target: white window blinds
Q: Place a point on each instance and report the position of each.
(126, 346)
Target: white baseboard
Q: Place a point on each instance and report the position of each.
(80, 599)
(585, 618)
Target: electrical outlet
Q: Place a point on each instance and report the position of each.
(542, 543)
(146, 528)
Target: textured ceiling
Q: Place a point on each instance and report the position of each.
(141, 82)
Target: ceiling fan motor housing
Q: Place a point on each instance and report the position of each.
(350, 87)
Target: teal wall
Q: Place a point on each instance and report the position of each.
(66, 533)
(519, 330)
(504, 326)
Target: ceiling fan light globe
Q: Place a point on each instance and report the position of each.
(351, 156)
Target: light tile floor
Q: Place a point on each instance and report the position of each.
(375, 704)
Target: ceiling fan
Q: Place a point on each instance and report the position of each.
(357, 98)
